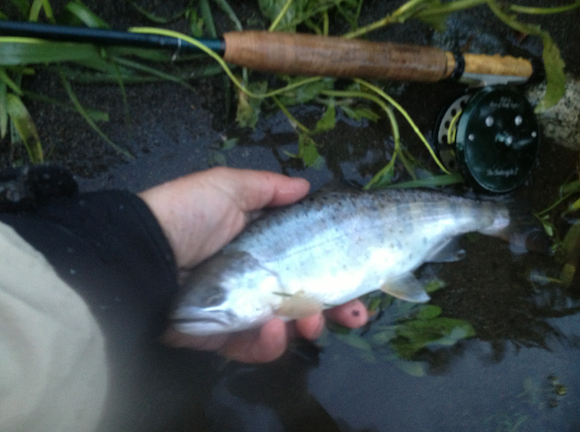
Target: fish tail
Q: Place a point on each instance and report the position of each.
(524, 232)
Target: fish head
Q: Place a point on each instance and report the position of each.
(229, 292)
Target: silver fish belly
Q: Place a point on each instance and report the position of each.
(324, 251)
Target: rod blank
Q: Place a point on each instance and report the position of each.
(103, 37)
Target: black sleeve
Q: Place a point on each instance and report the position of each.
(109, 247)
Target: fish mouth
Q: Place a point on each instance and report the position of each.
(198, 322)
(193, 320)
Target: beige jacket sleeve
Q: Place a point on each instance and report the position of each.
(53, 374)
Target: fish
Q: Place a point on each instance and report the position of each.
(326, 250)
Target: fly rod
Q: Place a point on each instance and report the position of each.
(304, 54)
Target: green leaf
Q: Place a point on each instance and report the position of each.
(553, 63)
(440, 180)
(435, 15)
(9, 82)
(195, 24)
(149, 70)
(438, 22)
(249, 108)
(23, 7)
(227, 9)
(82, 111)
(302, 10)
(355, 341)
(328, 120)
(571, 254)
(555, 76)
(308, 152)
(428, 312)
(216, 158)
(459, 332)
(434, 285)
(207, 16)
(382, 178)
(360, 113)
(229, 143)
(413, 368)
(3, 111)
(271, 9)
(415, 335)
(382, 338)
(374, 304)
(571, 187)
(83, 13)
(306, 92)
(35, 10)
(15, 53)
(155, 18)
(92, 113)
(37, 5)
(25, 126)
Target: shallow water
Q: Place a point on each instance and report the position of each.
(513, 382)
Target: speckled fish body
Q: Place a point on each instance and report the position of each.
(324, 251)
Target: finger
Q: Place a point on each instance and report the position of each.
(353, 314)
(259, 346)
(253, 190)
(310, 327)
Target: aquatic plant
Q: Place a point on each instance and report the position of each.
(111, 64)
(399, 331)
(562, 223)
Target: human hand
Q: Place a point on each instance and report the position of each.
(200, 213)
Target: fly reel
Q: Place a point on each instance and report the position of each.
(491, 137)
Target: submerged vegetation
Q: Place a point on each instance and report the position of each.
(399, 330)
(563, 217)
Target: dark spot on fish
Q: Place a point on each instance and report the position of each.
(355, 313)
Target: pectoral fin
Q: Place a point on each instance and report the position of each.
(406, 287)
(298, 306)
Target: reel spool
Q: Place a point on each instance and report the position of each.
(491, 137)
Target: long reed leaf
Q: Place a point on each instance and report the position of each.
(25, 126)
(92, 113)
(9, 82)
(23, 7)
(3, 111)
(26, 51)
(149, 70)
(88, 119)
(83, 13)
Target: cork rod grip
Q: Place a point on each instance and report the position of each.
(302, 54)
(497, 65)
